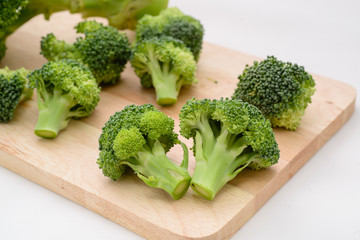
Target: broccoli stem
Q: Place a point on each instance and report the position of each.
(23, 18)
(27, 94)
(218, 160)
(53, 114)
(124, 19)
(34, 8)
(164, 82)
(122, 14)
(157, 170)
(165, 89)
(87, 8)
(118, 12)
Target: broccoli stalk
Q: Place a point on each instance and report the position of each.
(164, 81)
(151, 164)
(211, 174)
(54, 114)
(122, 14)
(66, 89)
(139, 137)
(26, 94)
(166, 64)
(229, 135)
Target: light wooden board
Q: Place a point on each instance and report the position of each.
(67, 164)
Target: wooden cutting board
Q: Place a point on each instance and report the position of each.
(67, 164)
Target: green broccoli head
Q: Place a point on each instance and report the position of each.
(281, 90)
(139, 137)
(166, 64)
(174, 23)
(229, 135)
(66, 89)
(13, 90)
(103, 49)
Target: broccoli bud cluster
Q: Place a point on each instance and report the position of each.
(281, 90)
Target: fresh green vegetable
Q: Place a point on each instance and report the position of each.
(174, 23)
(281, 90)
(66, 89)
(13, 90)
(165, 64)
(122, 14)
(104, 50)
(139, 137)
(229, 135)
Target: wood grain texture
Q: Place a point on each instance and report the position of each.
(67, 164)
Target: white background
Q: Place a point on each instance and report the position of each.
(322, 201)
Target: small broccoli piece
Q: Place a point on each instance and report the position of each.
(281, 90)
(13, 90)
(139, 137)
(166, 64)
(66, 89)
(122, 14)
(229, 135)
(104, 50)
(174, 23)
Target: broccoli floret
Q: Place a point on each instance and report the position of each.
(66, 89)
(281, 90)
(104, 50)
(229, 135)
(13, 90)
(166, 64)
(122, 14)
(174, 23)
(139, 137)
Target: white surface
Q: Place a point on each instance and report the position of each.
(320, 202)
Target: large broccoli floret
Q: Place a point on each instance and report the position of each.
(104, 50)
(228, 135)
(174, 23)
(166, 64)
(281, 90)
(13, 90)
(139, 137)
(122, 14)
(66, 89)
